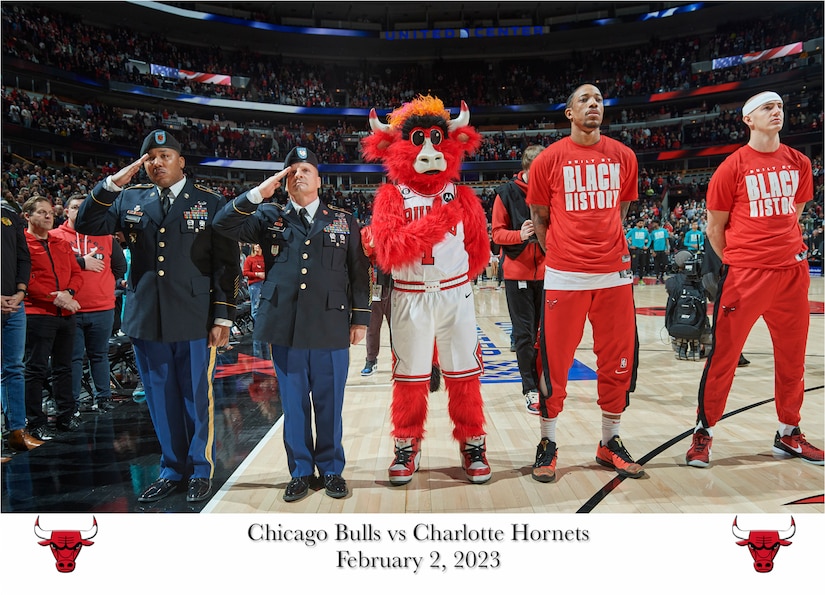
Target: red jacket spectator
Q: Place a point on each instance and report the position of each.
(528, 265)
(53, 270)
(98, 293)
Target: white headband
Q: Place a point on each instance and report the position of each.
(760, 99)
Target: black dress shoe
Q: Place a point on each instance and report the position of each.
(200, 488)
(104, 406)
(69, 425)
(42, 433)
(297, 488)
(159, 489)
(335, 486)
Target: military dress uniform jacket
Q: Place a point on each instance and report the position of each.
(317, 282)
(183, 274)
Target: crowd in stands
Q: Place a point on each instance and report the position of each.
(97, 121)
(46, 36)
(666, 196)
(43, 35)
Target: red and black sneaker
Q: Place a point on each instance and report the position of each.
(615, 456)
(795, 445)
(698, 455)
(544, 469)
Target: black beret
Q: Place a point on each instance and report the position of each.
(299, 154)
(159, 139)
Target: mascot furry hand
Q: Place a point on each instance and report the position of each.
(431, 233)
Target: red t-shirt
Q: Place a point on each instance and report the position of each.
(584, 187)
(760, 191)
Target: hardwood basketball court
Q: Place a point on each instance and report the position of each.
(744, 476)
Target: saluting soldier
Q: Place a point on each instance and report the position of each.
(180, 302)
(315, 303)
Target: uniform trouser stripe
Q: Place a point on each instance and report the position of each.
(179, 393)
(209, 449)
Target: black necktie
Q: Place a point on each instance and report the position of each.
(165, 200)
(305, 218)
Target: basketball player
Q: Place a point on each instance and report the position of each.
(579, 192)
(754, 201)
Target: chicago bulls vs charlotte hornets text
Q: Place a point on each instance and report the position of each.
(418, 547)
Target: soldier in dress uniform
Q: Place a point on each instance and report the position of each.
(180, 302)
(315, 303)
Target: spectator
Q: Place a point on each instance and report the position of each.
(50, 322)
(15, 281)
(102, 262)
(523, 266)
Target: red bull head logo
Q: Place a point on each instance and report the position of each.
(763, 545)
(65, 545)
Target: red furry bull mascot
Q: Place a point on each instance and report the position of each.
(431, 233)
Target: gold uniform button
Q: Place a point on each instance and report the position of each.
(307, 242)
(162, 244)
(304, 255)
(303, 271)
(303, 285)
(162, 230)
(161, 259)
(161, 273)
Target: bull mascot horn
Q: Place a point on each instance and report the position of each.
(783, 535)
(86, 535)
(463, 119)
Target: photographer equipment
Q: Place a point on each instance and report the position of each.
(686, 313)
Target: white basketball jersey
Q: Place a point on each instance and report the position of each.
(448, 257)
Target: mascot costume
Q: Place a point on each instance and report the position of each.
(431, 233)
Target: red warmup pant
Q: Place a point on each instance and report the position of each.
(781, 298)
(612, 315)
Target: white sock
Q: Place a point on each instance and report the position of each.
(548, 428)
(785, 429)
(610, 428)
(699, 427)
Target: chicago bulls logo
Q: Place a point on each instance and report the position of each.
(65, 545)
(763, 545)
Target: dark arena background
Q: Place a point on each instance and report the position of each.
(239, 84)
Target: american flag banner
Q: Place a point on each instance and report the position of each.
(165, 71)
(205, 77)
(778, 52)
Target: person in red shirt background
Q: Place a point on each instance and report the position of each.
(254, 271)
(523, 268)
(103, 264)
(50, 323)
